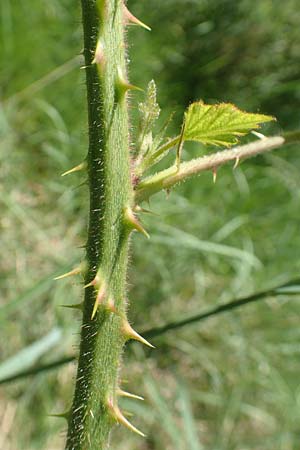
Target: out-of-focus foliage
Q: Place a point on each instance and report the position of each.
(223, 51)
(233, 382)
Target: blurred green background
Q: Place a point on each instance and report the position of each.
(231, 382)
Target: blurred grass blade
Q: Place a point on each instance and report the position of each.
(290, 288)
(30, 294)
(49, 78)
(164, 414)
(173, 236)
(37, 369)
(190, 425)
(28, 356)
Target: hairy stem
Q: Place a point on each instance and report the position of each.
(174, 175)
(104, 309)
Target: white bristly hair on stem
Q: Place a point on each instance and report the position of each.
(174, 175)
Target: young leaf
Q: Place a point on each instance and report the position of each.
(150, 111)
(219, 124)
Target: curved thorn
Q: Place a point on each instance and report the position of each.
(81, 166)
(214, 171)
(122, 85)
(259, 135)
(132, 221)
(99, 57)
(130, 333)
(129, 17)
(95, 282)
(72, 272)
(237, 161)
(119, 417)
(100, 296)
(126, 394)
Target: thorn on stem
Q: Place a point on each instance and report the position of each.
(95, 282)
(100, 297)
(179, 148)
(132, 222)
(126, 394)
(65, 415)
(78, 306)
(75, 169)
(99, 57)
(139, 209)
(130, 333)
(237, 161)
(130, 18)
(259, 135)
(122, 85)
(214, 171)
(72, 272)
(110, 306)
(120, 418)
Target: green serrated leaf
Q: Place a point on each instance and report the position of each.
(219, 124)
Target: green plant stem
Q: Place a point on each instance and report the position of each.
(168, 178)
(102, 340)
(292, 136)
(285, 289)
(35, 370)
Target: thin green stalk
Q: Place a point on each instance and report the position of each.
(287, 289)
(105, 328)
(35, 370)
(290, 288)
(168, 178)
(173, 175)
